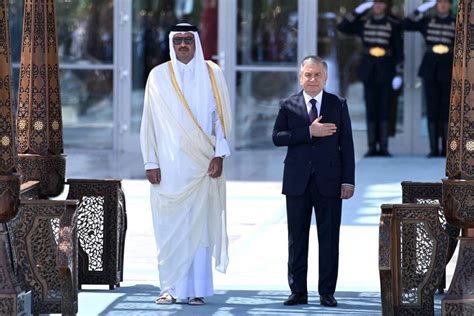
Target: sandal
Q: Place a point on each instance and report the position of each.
(165, 299)
(196, 301)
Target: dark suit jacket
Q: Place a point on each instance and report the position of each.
(331, 157)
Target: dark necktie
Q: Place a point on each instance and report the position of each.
(313, 113)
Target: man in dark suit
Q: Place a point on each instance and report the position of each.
(319, 172)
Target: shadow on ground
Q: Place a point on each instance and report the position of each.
(139, 300)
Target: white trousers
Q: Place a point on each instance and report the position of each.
(198, 280)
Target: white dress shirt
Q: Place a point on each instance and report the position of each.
(318, 98)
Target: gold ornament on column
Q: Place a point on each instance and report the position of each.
(39, 121)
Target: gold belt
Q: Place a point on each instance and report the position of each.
(440, 49)
(377, 52)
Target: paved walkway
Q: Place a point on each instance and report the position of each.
(138, 300)
(255, 283)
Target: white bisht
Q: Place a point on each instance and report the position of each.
(187, 200)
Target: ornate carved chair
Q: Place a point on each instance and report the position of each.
(432, 193)
(412, 256)
(44, 240)
(102, 224)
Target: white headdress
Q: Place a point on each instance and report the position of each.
(199, 87)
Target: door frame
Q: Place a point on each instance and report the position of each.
(125, 140)
(411, 141)
(414, 49)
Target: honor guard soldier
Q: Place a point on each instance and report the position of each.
(436, 68)
(381, 66)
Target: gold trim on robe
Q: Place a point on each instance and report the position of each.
(215, 91)
(184, 102)
(216, 96)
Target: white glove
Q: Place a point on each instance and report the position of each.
(426, 6)
(397, 82)
(361, 8)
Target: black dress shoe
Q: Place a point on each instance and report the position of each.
(371, 153)
(296, 298)
(328, 300)
(384, 153)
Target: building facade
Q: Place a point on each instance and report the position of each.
(108, 47)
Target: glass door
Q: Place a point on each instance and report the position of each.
(148, 47)
(266, 63)
(260, 55)
(343, 54)
(85, 31)
(414, 49)
(408, 123)
(260, 48)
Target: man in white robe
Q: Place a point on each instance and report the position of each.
(185, 124)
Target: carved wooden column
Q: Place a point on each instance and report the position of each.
(11, 296)
(458, 189)
(39, 121)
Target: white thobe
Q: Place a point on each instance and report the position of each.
(197, 281)
(210, 126)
